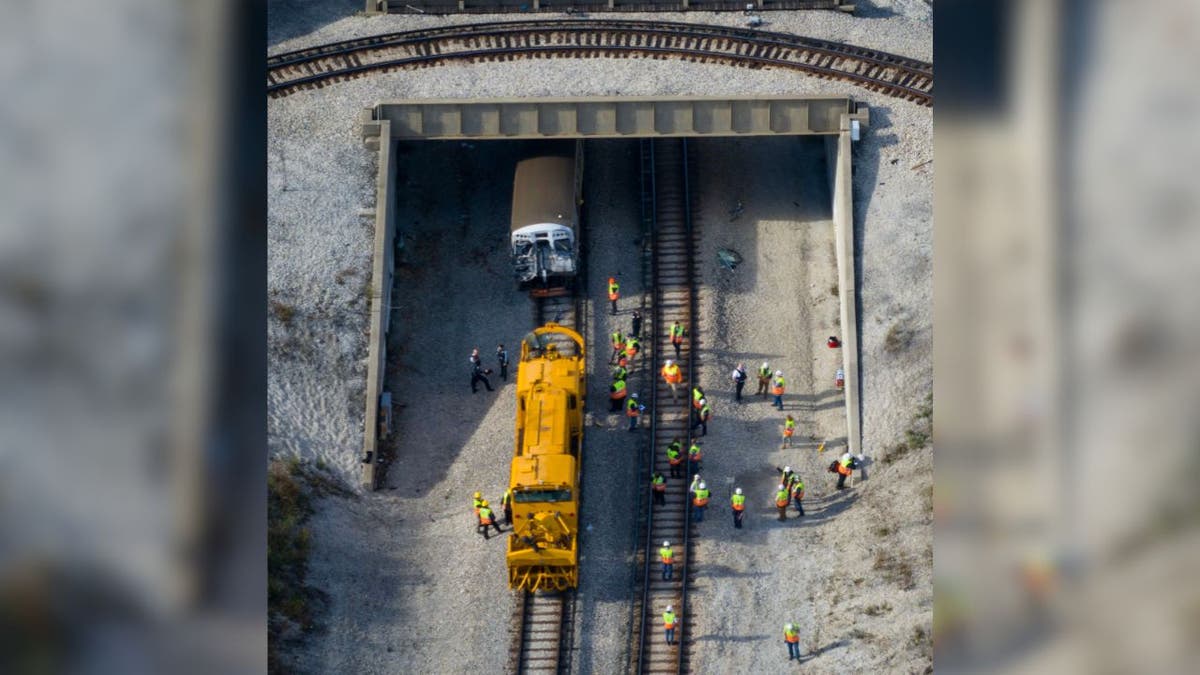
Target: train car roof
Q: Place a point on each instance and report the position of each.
(549, 470)
(544, 192)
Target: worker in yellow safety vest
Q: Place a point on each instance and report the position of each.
(669, 624)
(632, 347)
(672, 376)
(777, 389)
(764, 378)
(616, 395)
(677, 333)
(506, 505)
(486, 520)
(738, 502)
(632, 410)
(614, 293)
(797, 488)
(789, 429)
(781, 500)
(658, 485)
(675, 457)
(694, 456)
(618, 345)
(697, 396)
(620, 372)
(477, 502)
(668, 560)
(703, 414)
(791, 636)
(699, 502)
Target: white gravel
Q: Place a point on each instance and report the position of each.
(412, 587)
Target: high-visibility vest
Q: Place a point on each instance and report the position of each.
(632, 346)
(631, 408)
(659, 483)
(478, 503)
(791, 635)
(668, 620)
(786, 478)
(614, 291)
(706, 412)
(672, 374)
(798, 489)
(676, 333)
(778, 390)
(620, 373)
(844, 469)
(618, 340)
(789, 427)
(667, 555)
(673, 455)
(694, 453)
(701, 498)
(739, 502)
(485, 515)
(781, 498)
(696, 396)
(618, 390)
(506, 500)
(764, 372)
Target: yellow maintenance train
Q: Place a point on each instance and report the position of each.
(543, 549)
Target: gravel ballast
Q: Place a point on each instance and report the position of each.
(412, 588)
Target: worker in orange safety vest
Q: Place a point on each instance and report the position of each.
(777, 389)
(789, 429)
(672, 375)
(675, 457)
(632, 410)
(738, 502)
(614, 293)
(699, 502)
(781, 500)
(791, 636)
(616, 395)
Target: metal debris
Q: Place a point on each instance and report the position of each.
(729, 258)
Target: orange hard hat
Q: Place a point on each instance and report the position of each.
(611, 279)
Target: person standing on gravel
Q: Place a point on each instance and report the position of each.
(614, 293)
(502, 358)
(702, 417)
(669, 624)
(738, 502)
(618, 345)
(781, 500)
(487, 519)
(658, 485)
(777, 389)
(668, 560)
(477, 502)
(764, 378)
(475, 356)
(798, 493)
(791, 637)
(694, 459)
(677, 333)
(739, 378)
(789, 428)
(478, 374)
(632, 410)
(506, 504)
(632, 347)
(700, 502)
(635, 328)
(675, 457)
(616, 394)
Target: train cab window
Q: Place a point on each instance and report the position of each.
(537, 496)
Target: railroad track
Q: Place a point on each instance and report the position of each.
(673, 270)
(882, 72)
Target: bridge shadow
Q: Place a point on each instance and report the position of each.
(287, 19)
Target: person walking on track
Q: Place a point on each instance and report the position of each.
(702, 416)
(675, 457)
(791, 636)
(479, 374)
(487, 519)
(614, 293)
(738, 502)
(502, 358)
(700, 502)
(764, 378)
(797, 488)
(618, 345)
(677, 333)
(781, 500)
(635, 324)
(668, 560)
(672, 375)
(789, 428)
(632, 410)
(658, 485)
(777, 388)
(506, 505)
(669, 624)
(695, 456)
(739, 378)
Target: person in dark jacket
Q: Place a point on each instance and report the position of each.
(502, 357)
(479, 374)
(636, 328)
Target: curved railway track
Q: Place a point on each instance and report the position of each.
(667, 198)
(316, 67)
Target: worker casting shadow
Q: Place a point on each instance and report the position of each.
(820, 510)
(821, 650)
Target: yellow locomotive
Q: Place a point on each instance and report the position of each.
(543, 549)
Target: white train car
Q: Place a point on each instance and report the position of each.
(545, 223)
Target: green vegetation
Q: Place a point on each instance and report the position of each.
(917, 436)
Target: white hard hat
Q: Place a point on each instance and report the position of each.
(635, 395)
(738, 491)
(666, 543)
(787, 626)
(703, 486)
(703, 401)
(766, 365)
(787, 469)
(669, 362)
(670, 607)
(779, 373)
(696, 477)
(780, 487)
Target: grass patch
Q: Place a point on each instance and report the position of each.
(918, 434)
(878, 610)
(292, 605)
(897, 339)
(860, 634)
(283, 312)
(884, 530)
(896, 569)
(833, 290)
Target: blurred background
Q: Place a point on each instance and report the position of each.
(132, 356)
(1066, 324)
